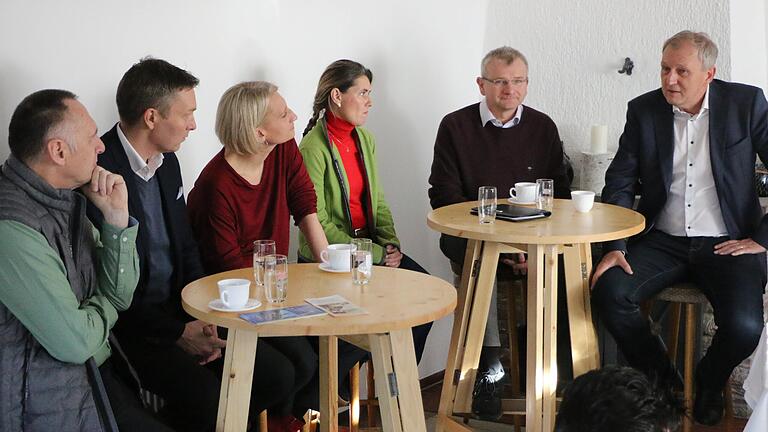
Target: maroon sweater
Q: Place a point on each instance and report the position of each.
(228, 213)
(469, 155)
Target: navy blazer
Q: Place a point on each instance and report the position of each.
(738, 129)
(159, 323)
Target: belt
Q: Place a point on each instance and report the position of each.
(361, 233)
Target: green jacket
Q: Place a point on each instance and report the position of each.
(331, 211)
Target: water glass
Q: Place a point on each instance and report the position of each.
(362, 261)
(276, 278)
(261, 249)
(545, 194)
(486, 209)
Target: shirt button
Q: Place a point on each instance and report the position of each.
(114, 236)
(690, 185)
(125, 239)
(691, 142)
(689, 227)
(689, 205)
(690, 164)
(122, 270)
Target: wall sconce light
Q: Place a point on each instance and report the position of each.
(628, 66)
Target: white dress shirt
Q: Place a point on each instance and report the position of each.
(144, 169)
(487, 116)
(692, 208)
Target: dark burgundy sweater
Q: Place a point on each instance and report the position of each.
(469, 155)
(228, 213)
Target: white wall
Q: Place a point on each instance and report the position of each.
(424, 56)
(576, 48)
(86, 46)
(749, 42)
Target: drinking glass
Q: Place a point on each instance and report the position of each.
(545, 194)
(486, 209)
(362, 261)
(276, 278)
(261, 248)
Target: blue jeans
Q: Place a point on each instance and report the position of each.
(732, 284)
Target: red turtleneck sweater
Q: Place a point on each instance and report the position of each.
(340, 133)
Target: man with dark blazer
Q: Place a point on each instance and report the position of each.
(167, 347)
(688, 149)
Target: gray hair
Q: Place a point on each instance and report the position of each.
(707, 50)
(505, 53)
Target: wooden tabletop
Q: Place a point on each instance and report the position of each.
(603, 223)
(394, 298)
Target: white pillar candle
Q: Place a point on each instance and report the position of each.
(599, 139)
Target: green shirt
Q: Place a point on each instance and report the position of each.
(34, 287)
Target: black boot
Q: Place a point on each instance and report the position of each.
(486, 397)
(709, 403)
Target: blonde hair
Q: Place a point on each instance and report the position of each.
(241, 110)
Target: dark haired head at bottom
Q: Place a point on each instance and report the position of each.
(618, 399)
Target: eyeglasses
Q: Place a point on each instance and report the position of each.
(517, 82)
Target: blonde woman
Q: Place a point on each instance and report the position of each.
(247, 192)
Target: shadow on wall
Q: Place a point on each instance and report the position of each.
(10, 96)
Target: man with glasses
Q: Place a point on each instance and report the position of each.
(496, 142)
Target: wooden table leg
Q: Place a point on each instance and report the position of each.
(535, 340)
(478, 318)
(550, 337)
(408, 388)
(236, 380)
(329, 383)
(577, 259)
(381, 353)
(465, 294)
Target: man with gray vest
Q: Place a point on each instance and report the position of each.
(62, 282)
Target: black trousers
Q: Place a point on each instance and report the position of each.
(732, 284)
(129, 413)
(283, 367)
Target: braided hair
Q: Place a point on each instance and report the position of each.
(340, 74)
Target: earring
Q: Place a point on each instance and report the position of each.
(338, 104)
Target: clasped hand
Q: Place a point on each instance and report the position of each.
(201, 340)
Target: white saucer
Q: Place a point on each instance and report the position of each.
(218, 305)
(327, 267)
(515, 201)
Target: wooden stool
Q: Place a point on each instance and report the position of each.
(371, 403)
(689, 295)
(514, 353)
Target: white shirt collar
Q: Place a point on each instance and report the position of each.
(704, 107)
(145, 170)
(487, 116)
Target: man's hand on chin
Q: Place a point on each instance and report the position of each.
(108, 193)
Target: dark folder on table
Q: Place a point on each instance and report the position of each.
(513, 213)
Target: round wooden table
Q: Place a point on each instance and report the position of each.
(566, 231)
(395, 300)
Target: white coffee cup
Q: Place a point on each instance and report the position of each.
(583, 200)
(234, 292)
(337, 256)
(523, 192)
